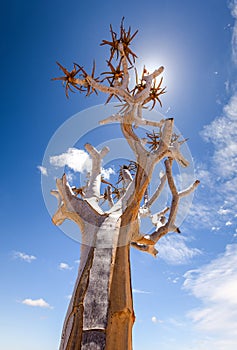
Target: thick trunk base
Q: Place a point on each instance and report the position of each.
(100, 315)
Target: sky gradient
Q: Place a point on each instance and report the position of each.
(187, 297)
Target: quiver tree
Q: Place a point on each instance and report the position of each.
(100, 314)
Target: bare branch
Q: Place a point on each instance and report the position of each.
(109, 89)
(110, 198)
(113, 118)
(158, 191)
(132, 139)
(176, 154)
(146, 162)
(145, 248)
(56, 194)
(125, 80)
(189, 189)
(74, 208)
(159, 219)
(93, 189)
(139, 121)
(67, 203)
(175, 196)
(165, 137)
(65, 191)
(162, 231)
(162, 227)
(142, 95)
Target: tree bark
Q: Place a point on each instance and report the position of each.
(100, 315)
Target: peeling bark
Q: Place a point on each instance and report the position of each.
(100, 314)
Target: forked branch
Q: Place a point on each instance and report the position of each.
(73, 208)
(169, 226)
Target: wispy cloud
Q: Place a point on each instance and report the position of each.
(215, 285)
(76, 159)
(154, 319)
(24, 256)
(219, 182)
(204, 176)
(203, 213)
(222, 133)
(173, 280)
(43, 170)
(174, 250)
(36, 303)
(64, 266)
(139, 291)
(71, 177)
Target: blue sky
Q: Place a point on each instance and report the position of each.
(186, 298)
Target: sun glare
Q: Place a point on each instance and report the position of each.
(168, 74)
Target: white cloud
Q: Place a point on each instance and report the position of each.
(222, 133)
(43, 170)
(64, 266)
(222, 211)
(173, 280)
(76, 159)
(220, 181)
(201, 215)
(215, 228)
(70, 177)
(204, 176)
(174, 250)
(154, 319)
(107, 172)
(215, 285)
(227, 86)
(228, 223)
(138, 291)
(36, 303)
(79, 161)
(24, 257)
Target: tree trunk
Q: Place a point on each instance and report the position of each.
(100, 315)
